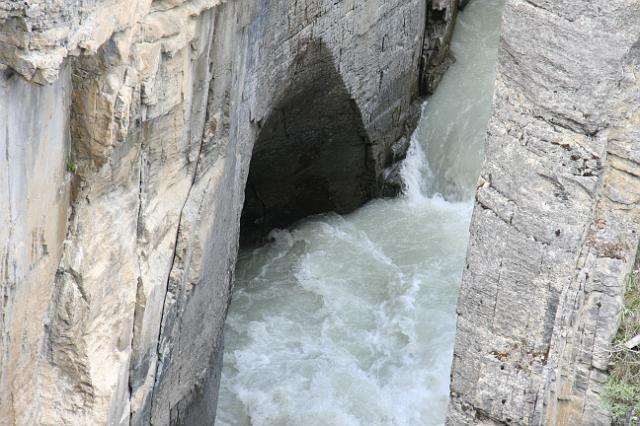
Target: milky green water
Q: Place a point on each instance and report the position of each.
(350, 320)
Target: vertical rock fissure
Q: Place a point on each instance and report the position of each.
(165, 299)
(204, 137)
(139, 304)
(435, 58)
(168, 283)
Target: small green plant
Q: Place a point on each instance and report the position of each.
(622, 391)
(622, 400)
(71, 166)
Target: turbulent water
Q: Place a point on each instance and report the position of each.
(350, 320)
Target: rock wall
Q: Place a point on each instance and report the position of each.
(557, 217)
(124, 177)
(35, 192)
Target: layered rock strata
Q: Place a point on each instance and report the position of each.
(123, 178)
(557, 217)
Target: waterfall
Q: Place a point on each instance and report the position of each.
(416, 173)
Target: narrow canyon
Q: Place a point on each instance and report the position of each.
(300, 212)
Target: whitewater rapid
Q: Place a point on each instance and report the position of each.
(350, 320)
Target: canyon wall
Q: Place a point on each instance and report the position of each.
(557, 217)
(127, 130)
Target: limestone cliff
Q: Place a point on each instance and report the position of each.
(122, 178)
(557, 217)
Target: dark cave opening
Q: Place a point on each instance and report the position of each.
(312, 154)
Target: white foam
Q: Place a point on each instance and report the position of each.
(416, 172)
(343, 333)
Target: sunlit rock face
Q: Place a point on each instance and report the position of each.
(35, 190)
(124, 179)
(557, 217)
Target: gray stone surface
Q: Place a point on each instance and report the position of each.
(557, 218)
(323, 160)
(116, 275)
(34, 204)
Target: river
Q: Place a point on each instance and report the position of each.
(350, 320)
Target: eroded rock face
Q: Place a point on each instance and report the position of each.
(34, 204)
(438, 32)
(306, 161)
(125, 181)
(557, 217)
